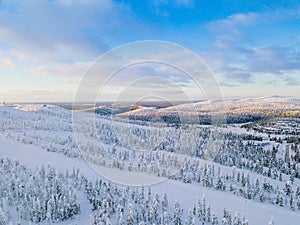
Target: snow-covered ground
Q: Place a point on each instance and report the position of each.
(49, 140)
(256, 106)
(187, 194)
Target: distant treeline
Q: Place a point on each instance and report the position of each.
(203, 120)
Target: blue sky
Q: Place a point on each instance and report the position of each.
(252, 47)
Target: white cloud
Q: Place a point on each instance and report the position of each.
(69, 28)
(72, 72)
(54, 95)
(232, 23)
(23, 56)
(238, 56)
(6, 61)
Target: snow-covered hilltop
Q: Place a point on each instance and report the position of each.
(231, 174)
(252, 107)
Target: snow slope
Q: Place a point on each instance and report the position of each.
(256, 106)
(187, 194)
(56, 121)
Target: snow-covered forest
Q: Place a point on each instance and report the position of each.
(250, 177)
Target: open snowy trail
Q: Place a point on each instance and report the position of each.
(187, 194)
(256, 212)
(32, 156)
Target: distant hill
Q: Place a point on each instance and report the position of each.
(237, 110)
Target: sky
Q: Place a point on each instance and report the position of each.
(251, 47)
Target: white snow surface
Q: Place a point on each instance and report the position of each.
(187, 194)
